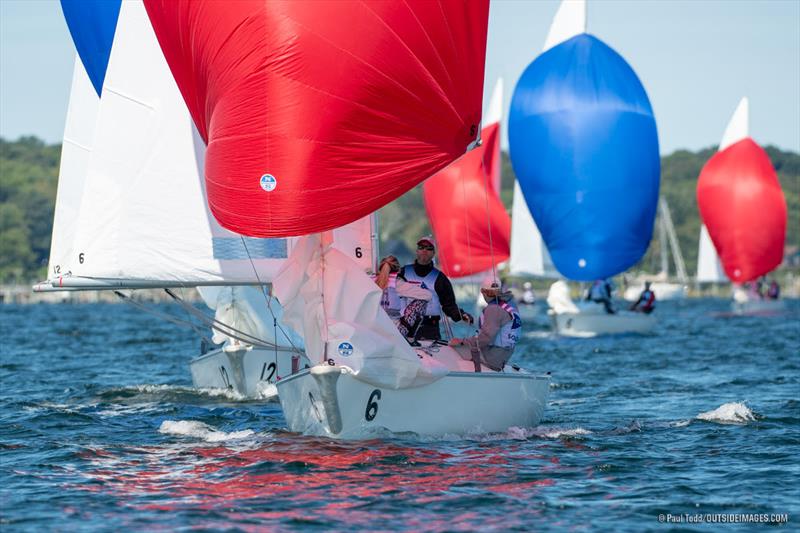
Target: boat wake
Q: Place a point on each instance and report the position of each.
(166, 393)
(729, 413)
(200, 430)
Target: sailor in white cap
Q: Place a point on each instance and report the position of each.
(499, 329)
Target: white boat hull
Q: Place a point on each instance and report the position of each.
(592, 324)
(758, 307)
(250, 372)
(330, 401)
(663, 291)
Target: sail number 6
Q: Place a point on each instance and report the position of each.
(372, 405)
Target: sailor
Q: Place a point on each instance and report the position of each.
(527, 296)
(646, 302)
(423, 274)
(499, 329)
(600, 292)
(404, 302)
(774, 290)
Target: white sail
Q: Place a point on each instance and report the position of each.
(75, 154)
(569, 21)
(709, 268)
(739, 125)
(144, 219)
(529, 255)
(336, 307)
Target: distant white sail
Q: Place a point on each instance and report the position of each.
(569, 21)
(144, 216)
(709, 268)
(739, 125)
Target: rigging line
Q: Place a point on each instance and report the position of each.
(267, 298)
(165, 316)
(488, 217)
(227, 329)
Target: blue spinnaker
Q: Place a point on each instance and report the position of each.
(92, 24)
(584, 148)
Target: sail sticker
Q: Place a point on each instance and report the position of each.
(345, 349)
(268, 182)
(582, 262)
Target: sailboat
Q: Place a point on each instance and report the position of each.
(660, 283)
(584, 147)
(317, 148)
(742, 205)
(469, 221)
(131, 208)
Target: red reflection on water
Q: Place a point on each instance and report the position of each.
(320, 479)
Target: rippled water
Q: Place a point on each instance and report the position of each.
(101, 429)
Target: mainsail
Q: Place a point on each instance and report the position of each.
(463, 203)
(584, 147)
(742, 204)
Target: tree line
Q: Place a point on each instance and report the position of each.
(29, 179)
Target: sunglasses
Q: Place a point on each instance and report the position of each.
(425, 247)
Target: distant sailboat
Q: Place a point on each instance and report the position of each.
(742, 205)
(585, 151)
(463, 203)
(669, 248)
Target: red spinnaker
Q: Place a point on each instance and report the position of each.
(742, 205)
(317, 113)
(469, 239)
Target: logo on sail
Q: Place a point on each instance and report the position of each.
(268, 182)
(345, 349)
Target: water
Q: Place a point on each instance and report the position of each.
(100, 429)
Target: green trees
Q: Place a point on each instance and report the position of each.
(28, 182)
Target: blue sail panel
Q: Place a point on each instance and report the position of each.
(584, 148)
(92, 24)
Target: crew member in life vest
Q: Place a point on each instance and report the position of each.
(404, 302)
(423, 274)
(600, 292)
(646, 302)
(499, 329)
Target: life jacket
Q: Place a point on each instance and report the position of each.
(649, 298)
(428, 282)
(598, 292)
(390, 301)
(508, 335)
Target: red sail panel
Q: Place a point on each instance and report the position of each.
(317, 113)
(469, 240)
(742, 205)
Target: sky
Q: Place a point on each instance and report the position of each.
(696, 59)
